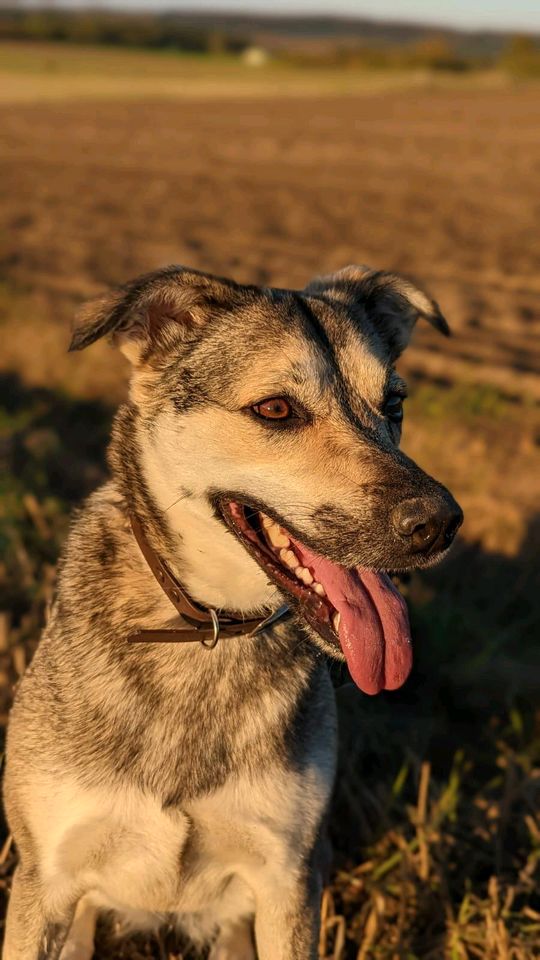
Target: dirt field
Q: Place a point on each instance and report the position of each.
(440, 784)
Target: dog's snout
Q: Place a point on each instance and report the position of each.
(427, 525)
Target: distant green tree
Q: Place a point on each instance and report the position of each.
(521, 57)
(434, 53)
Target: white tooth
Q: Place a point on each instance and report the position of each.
(335, 620)
(276, 536)
(318, 588)
(304, 575)
(288, 558)
(266, 521)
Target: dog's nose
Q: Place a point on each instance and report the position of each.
(428, 525)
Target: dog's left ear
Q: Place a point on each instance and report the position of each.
(392, 303)
(151, 312)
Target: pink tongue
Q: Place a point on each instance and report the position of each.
(374, 630)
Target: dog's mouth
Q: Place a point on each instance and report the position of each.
(359, 609)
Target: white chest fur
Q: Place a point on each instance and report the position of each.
(214, 855)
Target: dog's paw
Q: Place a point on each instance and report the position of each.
(80, 942)
(228, 951)
(234, 943)
(76, 950)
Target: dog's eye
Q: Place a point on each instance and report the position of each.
(275, 408)
(393, 408)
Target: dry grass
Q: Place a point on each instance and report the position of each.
(402, 902)
(435, 824)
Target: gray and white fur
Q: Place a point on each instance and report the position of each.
(167, 782)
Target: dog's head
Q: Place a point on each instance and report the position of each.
(269, 424)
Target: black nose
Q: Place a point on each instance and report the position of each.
(428, 525)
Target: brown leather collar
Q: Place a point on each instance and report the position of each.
(203, 623)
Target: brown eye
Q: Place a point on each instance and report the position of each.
(275, 408)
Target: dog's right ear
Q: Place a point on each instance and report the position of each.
(152, 312)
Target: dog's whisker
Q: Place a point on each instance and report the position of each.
(184, 496)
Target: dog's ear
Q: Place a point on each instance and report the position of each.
(151, 312)
(392, 303)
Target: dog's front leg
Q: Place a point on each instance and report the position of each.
(287, 920)
(31, 933)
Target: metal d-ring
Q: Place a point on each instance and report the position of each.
(216, 625)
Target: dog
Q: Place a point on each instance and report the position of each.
(171, 748)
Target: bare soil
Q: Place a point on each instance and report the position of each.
(440, 185)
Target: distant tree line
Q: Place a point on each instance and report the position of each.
(156, 32)
(519, 57)
(431, 53)
(169, 31)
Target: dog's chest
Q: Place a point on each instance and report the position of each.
(184, 727)
(134, 855)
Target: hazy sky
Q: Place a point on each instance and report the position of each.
(513, 14)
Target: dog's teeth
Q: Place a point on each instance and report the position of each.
(318, 588)
(288, 558)
(266, 521)
(276, 536)
(304, 575)
(335, 621)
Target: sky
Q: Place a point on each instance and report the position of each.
(494, 14)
